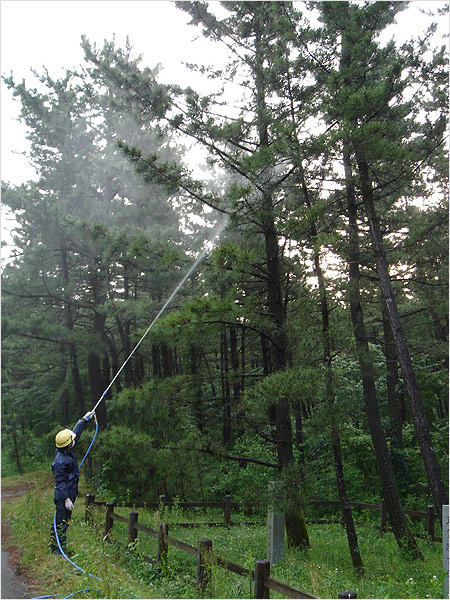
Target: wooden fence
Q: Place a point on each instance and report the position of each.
(263, 583)
(227, 506)
(430, 516)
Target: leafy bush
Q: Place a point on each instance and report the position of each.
(133, 469)
(245, 482)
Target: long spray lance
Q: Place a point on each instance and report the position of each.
(168, 301)
(166, 304)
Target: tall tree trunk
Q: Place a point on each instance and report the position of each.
(128, 372)
(156, 360)
(211, 374)
(177, 362)
(16, 451)
(265, 356)
(243, 355)
(429, 458)
(397, 517)
(97, 380)
(295, 524)
(299, 439)
(267, 369)
(64, 397)
(73, 356)
(346, 509)
(226, 400)
(393, 397)
(115, 364)
(234, 359)
(97, 386)
(283, 426)
(198, 403)
(166, 360)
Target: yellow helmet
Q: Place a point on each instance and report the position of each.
(64, 438)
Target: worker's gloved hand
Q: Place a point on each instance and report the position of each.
(88, 415)
(68, 504)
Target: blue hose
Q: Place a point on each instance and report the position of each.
(54, 518)
(65, 555)
(79, 592)
(59, 543)
(92, 443)
(69, 596)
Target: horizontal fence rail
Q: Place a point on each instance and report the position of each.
(227, 505)
(263, 583)
(205, 558)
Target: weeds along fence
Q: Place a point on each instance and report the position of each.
(227, 506)
(429, 516)
(207, 557)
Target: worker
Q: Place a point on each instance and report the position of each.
(65, 472)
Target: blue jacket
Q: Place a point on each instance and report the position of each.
(65, 469)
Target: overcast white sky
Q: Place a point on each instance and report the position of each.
(46, 33)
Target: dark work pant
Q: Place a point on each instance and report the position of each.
(63, 517)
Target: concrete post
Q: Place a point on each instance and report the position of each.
(275, 526)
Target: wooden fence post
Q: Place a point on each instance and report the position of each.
(227, 510)
(108, 519)
(383, 515)
(203, 569)
(90, 499)
(163, 545)
(430, 521)
(162, 505)
(262, 570)
(132, 531)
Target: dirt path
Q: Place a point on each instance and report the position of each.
(14, 584)
(15, 581)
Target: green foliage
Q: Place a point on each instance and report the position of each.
(117, 215)
(245, 482)
(296, 383)
(323, 570)
(33, 452)
(135, 468)
(128, 464)
(29, 518)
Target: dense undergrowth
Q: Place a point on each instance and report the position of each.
(324, 570)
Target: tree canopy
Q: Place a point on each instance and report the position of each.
(311, 342)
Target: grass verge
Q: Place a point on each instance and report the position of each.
(323, 571)
(28, 518)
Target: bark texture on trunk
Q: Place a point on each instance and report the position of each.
(394, 400)
(295, 523)
(397, 517)
(69, 322)
(347, 515)
(435, 481)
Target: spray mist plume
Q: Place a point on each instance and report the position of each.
(209, 245)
